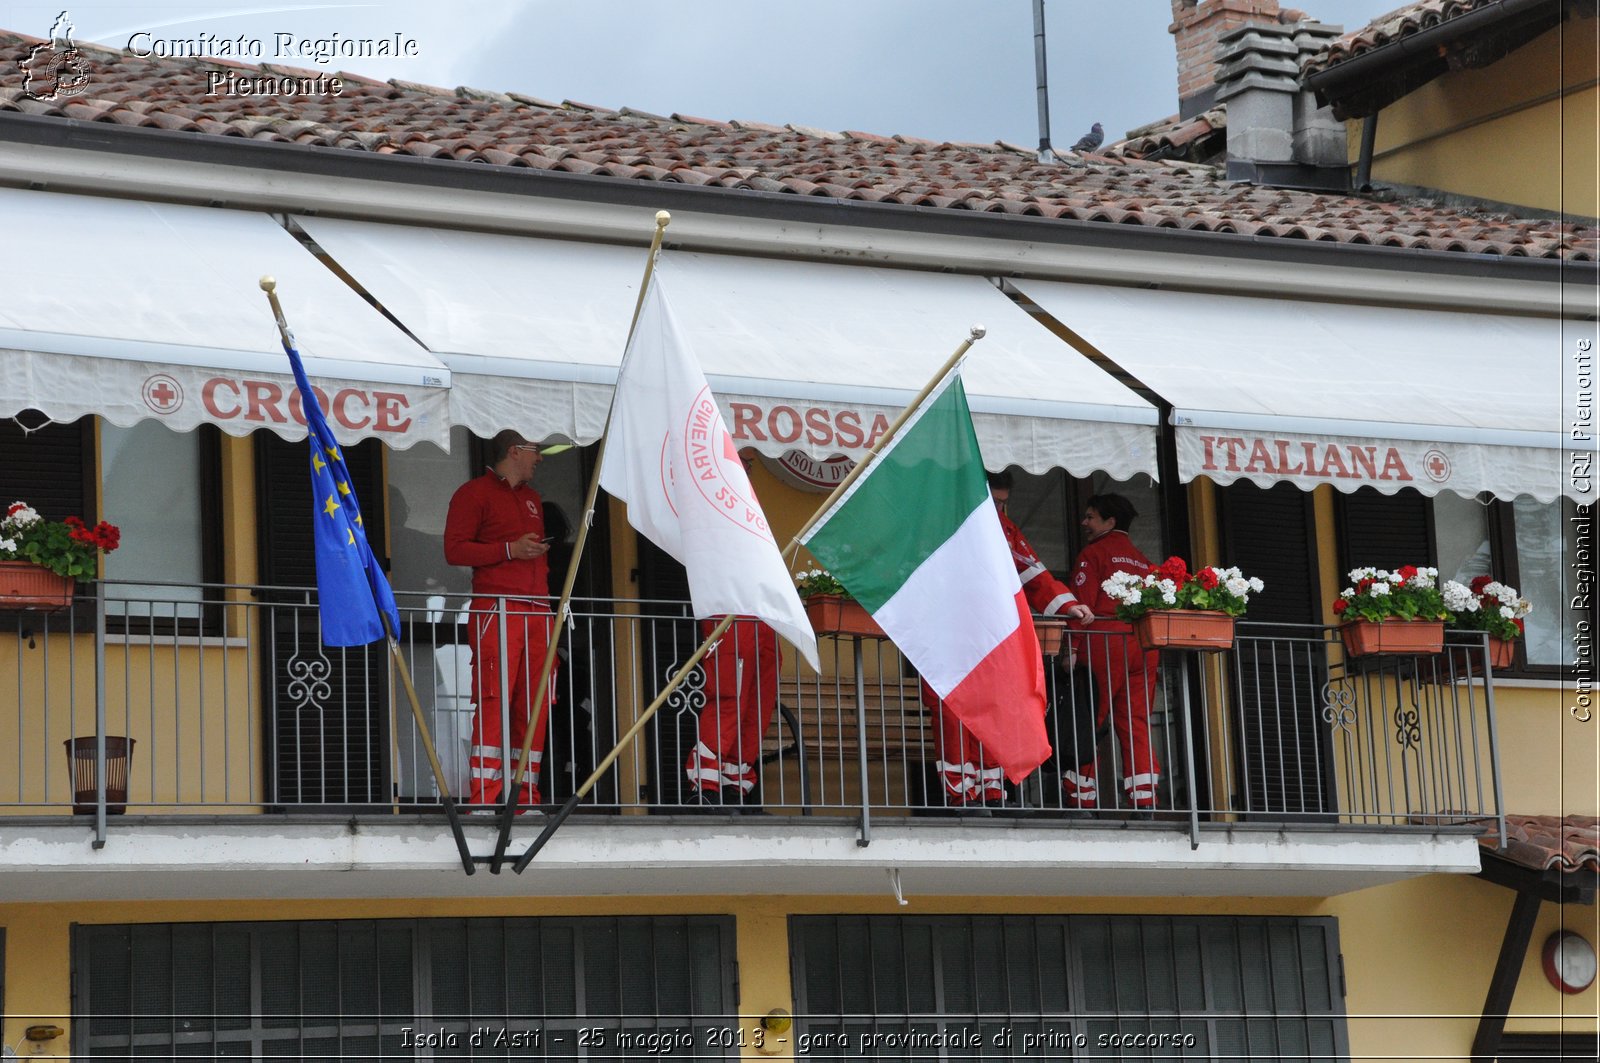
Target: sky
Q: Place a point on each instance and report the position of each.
(940, 69)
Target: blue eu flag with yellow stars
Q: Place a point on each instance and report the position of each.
(351, 588)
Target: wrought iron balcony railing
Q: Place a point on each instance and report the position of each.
(228, 702)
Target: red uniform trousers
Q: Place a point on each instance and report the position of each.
(969, 776)
(527, 640)
(1125, 683)
(741, 696)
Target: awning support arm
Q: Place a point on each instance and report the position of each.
(1519, 931)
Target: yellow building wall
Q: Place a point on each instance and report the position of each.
(193, 712)
(1419, 956)
(1521, 130)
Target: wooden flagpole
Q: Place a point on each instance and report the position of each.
(542, 691)
(974, 336)
(270, 286)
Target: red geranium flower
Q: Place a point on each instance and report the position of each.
(1207, 578)
(1406, 572)
(1340, 606)
(1479, 583)
(1174, 569)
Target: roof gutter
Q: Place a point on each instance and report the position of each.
(67, 155)
(1359, 71)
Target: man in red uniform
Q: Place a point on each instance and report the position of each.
(496, 526)
(969, 776)
(1124, 675)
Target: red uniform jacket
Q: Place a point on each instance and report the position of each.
(486, 515)
(1044, 592)
(1112, 552)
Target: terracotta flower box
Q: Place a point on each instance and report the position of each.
(1466, 661)
(1184, 629)
(833, 614)
(24, 585)
(1051, 633)
(1402, 638)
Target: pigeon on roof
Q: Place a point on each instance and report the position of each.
(1090, 140)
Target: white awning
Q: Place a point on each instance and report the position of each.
(804, 356)
(1273, 390)
(134, 310)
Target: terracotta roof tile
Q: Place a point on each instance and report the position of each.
(1569, 844)
(1386, 29)
(1116, 187)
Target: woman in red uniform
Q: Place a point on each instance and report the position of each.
(1124, 675)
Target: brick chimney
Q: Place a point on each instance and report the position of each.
(1198, 26)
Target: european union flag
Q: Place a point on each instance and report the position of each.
(350, 586)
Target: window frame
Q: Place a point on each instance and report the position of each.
(1071, 939)
(135, 1031)
(1508, 561)
(209, 622)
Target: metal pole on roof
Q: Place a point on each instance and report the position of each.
(1045, 153)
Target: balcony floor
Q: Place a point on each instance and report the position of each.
(243, 857)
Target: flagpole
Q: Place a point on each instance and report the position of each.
(541, 692)
(270, 286)
(977, 333)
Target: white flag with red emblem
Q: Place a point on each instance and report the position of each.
(671, 458)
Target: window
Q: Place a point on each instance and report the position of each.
(161, 488)
(1054, 987)
(1049, 509)
(421, 481)
(1549, 543)
(361, 989)
(1542, 549)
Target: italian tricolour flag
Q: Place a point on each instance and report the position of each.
(917, 540)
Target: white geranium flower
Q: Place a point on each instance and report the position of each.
(1379, 590)
(8, 546)
(1459, 598)
(1348, 592)
(1237, 586)
(21, 515)
(1256, 586)
(1508, 612)
(1169, 597)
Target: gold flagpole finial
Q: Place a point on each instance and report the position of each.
(663, 219)
(268, 283)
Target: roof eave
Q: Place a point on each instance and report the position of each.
(1361, 76)
(192, 149)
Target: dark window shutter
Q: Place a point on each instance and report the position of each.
(1283, 767)
(48, 468)
(1385, 531)
(284, 505)
(329, 737)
